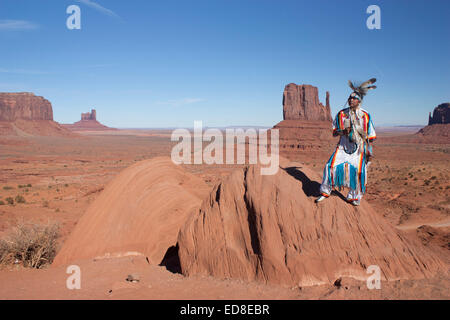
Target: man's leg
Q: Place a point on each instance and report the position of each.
(354, 196)
(325, 187)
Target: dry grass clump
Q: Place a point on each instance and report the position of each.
(32, 245)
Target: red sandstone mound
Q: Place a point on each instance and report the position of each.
(24, 114)
(139, 212)
(268, 228)
(88, 122)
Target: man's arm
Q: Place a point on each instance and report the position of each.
(344, 132)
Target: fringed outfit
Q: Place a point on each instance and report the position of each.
(347, 166)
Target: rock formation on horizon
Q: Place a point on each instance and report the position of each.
(25, 114)
(306, 122)
(441, 114)
(25, 106)
(89, 115)
(438, 128)
(268, 228)
(88, 122)
(301, 102)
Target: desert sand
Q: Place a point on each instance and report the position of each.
(84, 183)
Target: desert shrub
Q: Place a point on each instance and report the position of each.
(45, 204)
(7, 188)
(9, 200)
(29, 185)
(20, 199)
(33, 245)
(2, 203)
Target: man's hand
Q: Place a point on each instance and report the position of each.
(346, 131)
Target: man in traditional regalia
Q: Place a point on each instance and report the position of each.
(347, 166)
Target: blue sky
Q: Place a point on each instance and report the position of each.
(167, 63)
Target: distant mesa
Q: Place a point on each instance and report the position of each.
(438, 127)
(24, 105)
(89, 115)
(88, 122)
(306, 121)
(25, 114)
(441, 114)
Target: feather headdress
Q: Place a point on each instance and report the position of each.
(362, 89)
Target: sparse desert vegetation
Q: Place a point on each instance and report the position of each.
(31, 245)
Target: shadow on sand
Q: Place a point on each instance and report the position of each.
(310, 188)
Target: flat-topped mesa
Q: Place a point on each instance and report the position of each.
(441, 114)
(301, 102)
(24, 106)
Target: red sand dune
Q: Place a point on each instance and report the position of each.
(268, 228)
(139, 212)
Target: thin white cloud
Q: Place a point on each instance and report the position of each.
(100, 8)
(13, 25)
(22, 71)
(181, 102)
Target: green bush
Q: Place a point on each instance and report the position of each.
(20, 199)
(9, 200)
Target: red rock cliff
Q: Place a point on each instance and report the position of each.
(301, 102)
(89, 115)
(441, 114)
(24, 105)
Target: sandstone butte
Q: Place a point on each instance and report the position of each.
(88, 122)
(306, 122)
(438, 128)
(301, 102)
(251, 227)
(25, 114)
(268, 228)
(139, 212)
